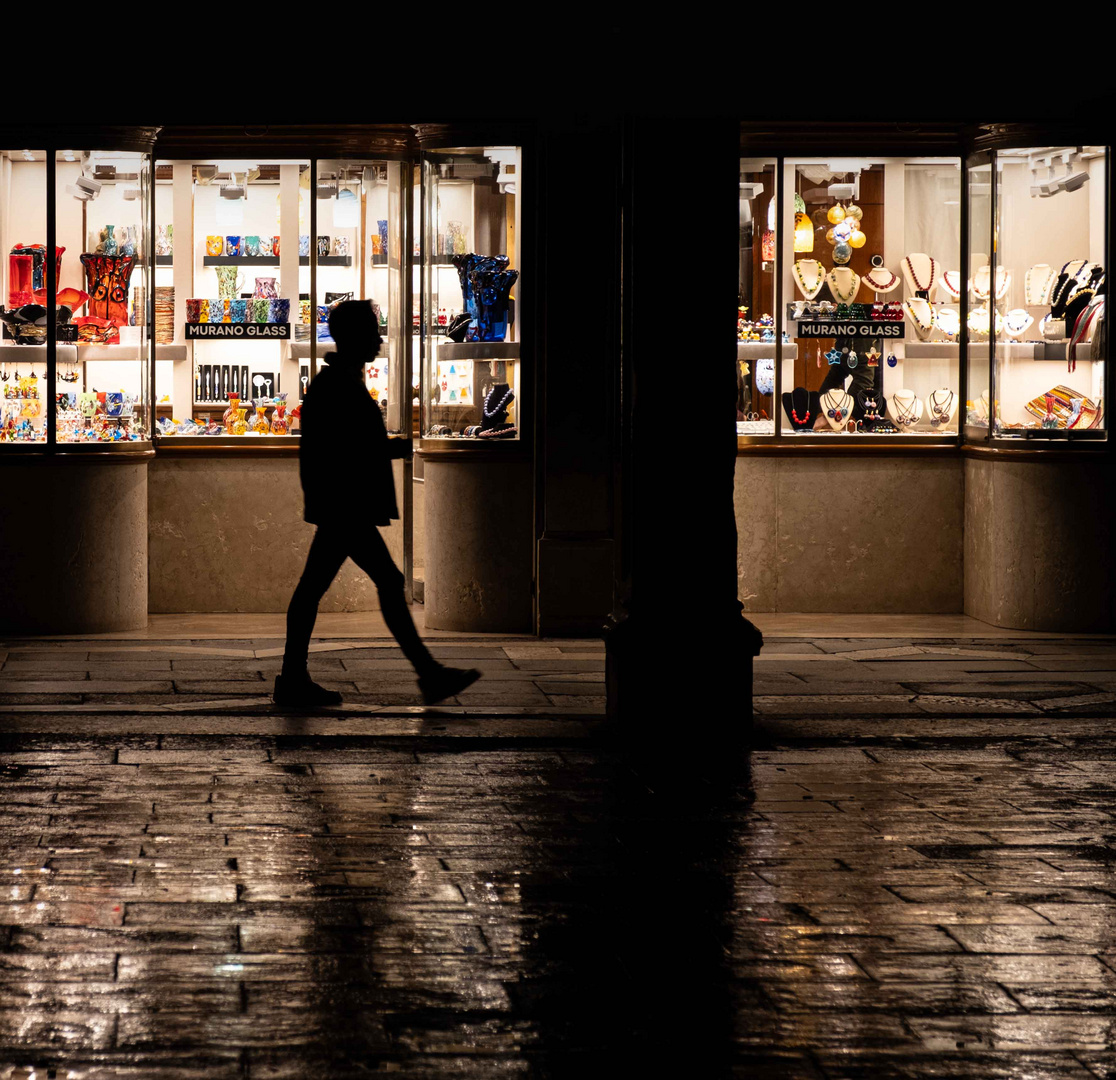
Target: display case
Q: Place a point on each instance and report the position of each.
(75, 237)
(1036, 286)
(853, 325)
(470, 351)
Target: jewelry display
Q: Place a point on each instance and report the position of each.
(843, 283)
(979, 322)
(941, 404)
(837, 405)
(801, 407)
(906, 408)
(921, 315)
(892, 360)
(951, 282)
(1052, 329)
(852, 359)
(881, 280)
(1016, 322)
(833, 356)
(1037, 283)
(982, 282)
(948, 320)
(872, 356)
(920, 272)
(809, 276)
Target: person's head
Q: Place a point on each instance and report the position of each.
(354, 328)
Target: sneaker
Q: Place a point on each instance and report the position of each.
(444, 682)
(292, 690)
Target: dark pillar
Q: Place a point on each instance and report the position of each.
(679, 648)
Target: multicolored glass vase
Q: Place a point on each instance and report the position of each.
(259, 422)
(232, 411)
(239, 425)
(467, 265)
(107, 278)
(280, 425)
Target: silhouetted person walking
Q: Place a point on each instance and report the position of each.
(345, 468)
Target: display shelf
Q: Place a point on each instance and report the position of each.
(273, 260)
(479, 350)
(764, 350)
(35, 354)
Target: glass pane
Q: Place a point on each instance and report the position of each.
(103, 214)
(977, 393)
(868, 243)
(471, 378)
(232, 299)
(755, 323)
(1044, 286)
(359, 258)
(23, 242)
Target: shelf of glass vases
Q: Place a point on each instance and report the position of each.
(764, 350)
(273, 260)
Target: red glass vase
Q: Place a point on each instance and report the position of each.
(107, 278)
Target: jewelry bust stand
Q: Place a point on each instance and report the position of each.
(1037, 284)
(809, 276)
(1016, 322)
(982, 282)
(951, 282)
(941, 404)
(920, 272)
(905, 408)
(836, 407)
(879, 279)
(801, 408)
(920, 314)
(843, 283)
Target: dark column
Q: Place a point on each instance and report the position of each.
(679, 647)
(577, 260)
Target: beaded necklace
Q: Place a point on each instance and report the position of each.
(809, 291)
(881, 286)
(1037, 297)
(919, 287)
(949, 322)
(831, 278)
(1016, 322)
(951, 282)
(488, 415)
(909, 308)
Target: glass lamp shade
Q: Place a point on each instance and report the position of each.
(803, 233)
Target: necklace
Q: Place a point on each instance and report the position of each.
(1037, 294)
(1016, 322)
(949, 322)
(912, 306)
(940, 409)
(873, 278)
(489, 414)
(844, 295)
(836, 405)
(906, 414)
(951, 282)
(982, 282)
(809, 290)
(919, 287)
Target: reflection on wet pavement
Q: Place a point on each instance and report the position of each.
(265, 906)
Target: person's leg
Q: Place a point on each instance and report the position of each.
(370, 553)
(327, 553)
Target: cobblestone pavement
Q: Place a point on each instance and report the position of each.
(202, 887)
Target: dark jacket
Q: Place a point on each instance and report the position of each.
(345, 457)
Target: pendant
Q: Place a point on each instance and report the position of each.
(853, 360)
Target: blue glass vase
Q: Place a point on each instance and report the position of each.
(490, 294)
(467, 265)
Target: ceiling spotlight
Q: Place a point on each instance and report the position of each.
(506, 182)
(28, 156)
(234, 190)
(326, 187)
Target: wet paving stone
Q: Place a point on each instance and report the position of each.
(874, 893)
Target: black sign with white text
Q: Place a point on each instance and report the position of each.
(844, 329)
(238, 331)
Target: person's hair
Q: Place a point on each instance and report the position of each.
(353, 324)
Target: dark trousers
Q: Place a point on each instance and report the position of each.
(328, 551)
